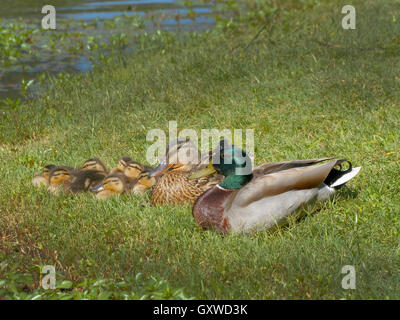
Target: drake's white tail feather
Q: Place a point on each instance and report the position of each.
(346, 177)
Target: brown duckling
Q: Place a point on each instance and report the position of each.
(122, 163)
(42, 179)
(74, 181)
(144, 183)
(134, 170)
(112, 185)
(94, 164)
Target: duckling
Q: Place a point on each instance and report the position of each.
(94, 164)
(173, 186)
(144, 183)
(72, 180)
(42, 179)
(122, 163)
(134, 170)
(113, 184)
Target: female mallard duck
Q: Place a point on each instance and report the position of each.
(173, 186)
(112, 185)
(265, 197)
(76, 180)
(42, 179)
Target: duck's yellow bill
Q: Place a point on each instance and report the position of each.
(203, 172)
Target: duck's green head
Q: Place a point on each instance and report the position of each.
(230, 161)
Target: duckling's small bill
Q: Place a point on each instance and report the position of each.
(99, 188)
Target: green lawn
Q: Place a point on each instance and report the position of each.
(306, 86)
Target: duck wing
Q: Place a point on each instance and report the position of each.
(283, 177)
(272, 167)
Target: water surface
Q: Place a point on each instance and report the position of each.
(164, 14)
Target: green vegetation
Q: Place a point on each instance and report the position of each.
(23, 287)
(17, 286)
(306, 86)
(22, 41)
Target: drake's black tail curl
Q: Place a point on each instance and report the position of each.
(336, 174)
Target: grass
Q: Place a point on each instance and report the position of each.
(306, 86)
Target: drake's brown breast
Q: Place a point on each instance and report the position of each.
(208, 209)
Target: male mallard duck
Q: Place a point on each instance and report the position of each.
(42, 179)
(173, 186)
(113, 184)
(265, 197)
(72, 180)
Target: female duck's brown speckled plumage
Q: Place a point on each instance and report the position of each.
(173, 185)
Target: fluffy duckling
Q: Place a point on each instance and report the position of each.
(131, 169)
(72, 180)
(112, 185)
(94, 164)
(122, 164)
(144, 183)
(134, 170)
(42, 179)
(173, 185)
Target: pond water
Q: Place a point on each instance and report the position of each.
(173, 15)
